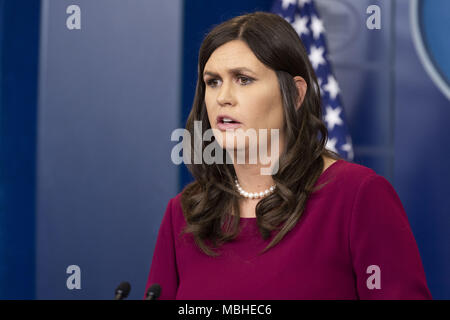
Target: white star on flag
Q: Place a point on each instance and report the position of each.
(331, 144)
(332, 87)
(347, 147)
(300, 25)
(316, 27)
(332, 117)
(316, 56)
(287, 3)
(305, 21)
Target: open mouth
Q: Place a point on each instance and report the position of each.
(226, 120)
(224, 123)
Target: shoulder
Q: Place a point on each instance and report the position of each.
(175, 211)
(346, 176)
(361, 177)
(176, 201)
(353, 172)
(345, 181)
(362, 186)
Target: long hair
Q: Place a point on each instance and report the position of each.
(209, 201)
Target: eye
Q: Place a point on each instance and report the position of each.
(246, 80)
(211, 82)
(243, 80)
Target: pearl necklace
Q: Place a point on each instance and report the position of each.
(253, 195)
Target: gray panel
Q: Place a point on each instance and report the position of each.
(109, 100)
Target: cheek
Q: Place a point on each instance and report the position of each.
(270, 112)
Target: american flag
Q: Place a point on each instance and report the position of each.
(303, 16)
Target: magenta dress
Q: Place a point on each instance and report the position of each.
(353, 241)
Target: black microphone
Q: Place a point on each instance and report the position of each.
(122, 291)
(153, 292)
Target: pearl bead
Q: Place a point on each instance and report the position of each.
(252, 195)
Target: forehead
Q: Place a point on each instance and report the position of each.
(234, 54)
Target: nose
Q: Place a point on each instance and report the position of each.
(225, 95)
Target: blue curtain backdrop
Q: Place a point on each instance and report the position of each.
(19, 43)
(422, 137)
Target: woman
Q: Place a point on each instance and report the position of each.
(318, 227)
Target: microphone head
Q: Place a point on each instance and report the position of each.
(123, 289)
(154, 291)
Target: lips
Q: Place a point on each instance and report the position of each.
(220, 119)
(224, 123)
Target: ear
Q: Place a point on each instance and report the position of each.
(301, 85)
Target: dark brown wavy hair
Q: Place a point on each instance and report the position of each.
(208, 203)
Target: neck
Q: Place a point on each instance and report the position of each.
(253, 175)
(251, 179)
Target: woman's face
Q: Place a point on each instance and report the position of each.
(241, 87)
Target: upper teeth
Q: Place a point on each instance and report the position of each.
(226, 120)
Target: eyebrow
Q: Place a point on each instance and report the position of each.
(230, 71)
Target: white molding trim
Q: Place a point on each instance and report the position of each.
(430, 68)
